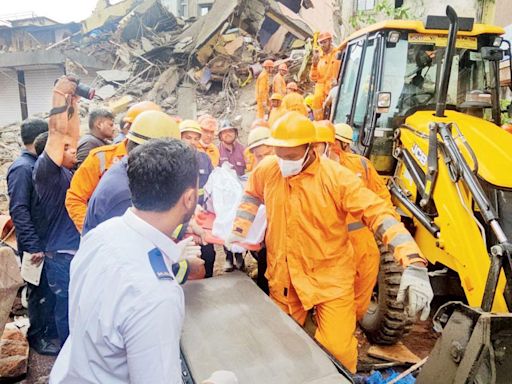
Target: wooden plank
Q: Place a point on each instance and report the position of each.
(397, 352)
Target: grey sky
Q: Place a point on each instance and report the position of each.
(59, 10)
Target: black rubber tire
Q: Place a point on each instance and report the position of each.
(385, 321)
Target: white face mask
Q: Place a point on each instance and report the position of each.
(292, 167)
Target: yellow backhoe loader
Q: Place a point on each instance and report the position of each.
(423, 99)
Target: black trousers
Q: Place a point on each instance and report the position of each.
(261, 258)
(208, 255)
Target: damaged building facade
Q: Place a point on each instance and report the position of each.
(28, 68)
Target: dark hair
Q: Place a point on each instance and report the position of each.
(31, 128)
(40, 142)
(131, 145)
(159, 172)
(97, 114)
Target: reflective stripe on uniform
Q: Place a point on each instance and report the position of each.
(241, 214)
(250, 200)
(355, 226)
(177, 231)
(398, 240)
(182, 271)
(384, 226)
(103, 161)
(200, 191)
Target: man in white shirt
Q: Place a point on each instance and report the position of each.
(126, 306)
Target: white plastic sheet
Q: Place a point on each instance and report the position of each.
(224, 192)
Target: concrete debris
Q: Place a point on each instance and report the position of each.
(10, 282)
(114, 75)
(152, 54)
(187, 108)
(106, 92)
(148, 17)
(14, 351)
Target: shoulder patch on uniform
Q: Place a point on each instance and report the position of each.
(156, 259)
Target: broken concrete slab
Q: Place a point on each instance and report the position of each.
(166, 84)
(114, 75)
(187, 108)
(150, 14)
(106, 92)
(234, 45)
(398, 352)
(14, 351)
(207, 26)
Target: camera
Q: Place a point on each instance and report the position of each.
(82, 90)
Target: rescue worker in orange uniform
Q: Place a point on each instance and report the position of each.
(293, 101)
(257, 144)
(279, 82)
(334, 142)
(99, 160)
(209, 127)
(263, 88)
(310, 258)
(276, 108)
(250, 161)
(324, 72)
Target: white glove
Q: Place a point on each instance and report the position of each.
(231, 239)
(416, 284)
(221, 377)
(188, 249)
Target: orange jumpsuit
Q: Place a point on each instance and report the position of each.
(212, 151)
(310, 258)
(323, 74)
(87, 177)
(262, 93)
(295, 102)
(279, 85)
(362, 239)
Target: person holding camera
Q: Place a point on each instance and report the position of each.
(52, 177)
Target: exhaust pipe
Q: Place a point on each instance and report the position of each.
(447, 64)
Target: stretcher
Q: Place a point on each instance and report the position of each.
(230, 324)
(205, 220)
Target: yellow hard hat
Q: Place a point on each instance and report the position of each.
(309, 100)
(325, 131)
(258, 136)
(276, 96)
(190, 126)
(292, 130)
(138, 108)
(344, 133)
(153, 125)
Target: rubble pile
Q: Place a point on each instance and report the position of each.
(199, 65)
(155, 53)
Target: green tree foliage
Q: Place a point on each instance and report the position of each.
(385, 8)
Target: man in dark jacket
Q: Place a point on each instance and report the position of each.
(101, 132)
(26, 214)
